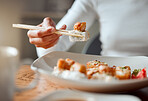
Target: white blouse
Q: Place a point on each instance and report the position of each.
(123, 26)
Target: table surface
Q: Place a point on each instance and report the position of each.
(25, 75)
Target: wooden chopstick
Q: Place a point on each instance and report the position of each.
(31, 27)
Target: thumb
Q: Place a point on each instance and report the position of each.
(48, 22)
(63, 27)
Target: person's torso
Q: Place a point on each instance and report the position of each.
(123, 26)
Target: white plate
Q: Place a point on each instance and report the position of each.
(69, 95)
(46, 63)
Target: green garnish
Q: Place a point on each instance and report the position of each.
(123, 67)
(97, 61)
(136, 71)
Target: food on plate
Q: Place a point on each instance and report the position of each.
(69, 69)
(80, 29)
(105, 77)
(95, 70)
(139, 74)
(99, 67)
(123, 73)
(65, 64)
(100, 70)
(78, 67)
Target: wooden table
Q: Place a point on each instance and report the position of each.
(26, 75)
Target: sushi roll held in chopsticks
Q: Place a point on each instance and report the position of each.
(79, 28)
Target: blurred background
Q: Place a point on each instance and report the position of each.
(33, 12)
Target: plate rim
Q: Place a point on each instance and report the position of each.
(122, 82)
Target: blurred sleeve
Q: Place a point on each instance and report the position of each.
(81, 11)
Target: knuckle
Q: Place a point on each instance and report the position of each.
(50, 30)
(39, 34)
(47, 18)
(44, 39)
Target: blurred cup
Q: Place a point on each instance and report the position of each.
(9, 63)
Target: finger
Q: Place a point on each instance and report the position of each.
(63, 27)
(50, 44)
(43, 41)
(48, 22)
(40, 33)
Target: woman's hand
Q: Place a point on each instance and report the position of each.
(45, 38)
